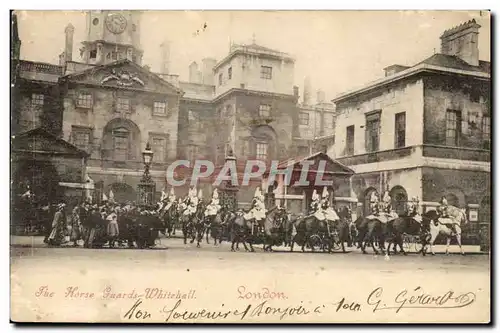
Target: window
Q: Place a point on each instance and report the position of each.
(486, 132)
(159, 146)
(453, 127)
(114, 55)
(266, 72)
(81, 139)
(120, 144)
(160, 108)
(304, 118)
(400, 130)
(220, 79)
(191, 116)
(93, 54)
(303, 151)
(229, 73)
(372, 132)
(261, 151)
(349, 147)
(37, 101)
(329, 121)
(264, 110)
(122, 104)
(84, 100)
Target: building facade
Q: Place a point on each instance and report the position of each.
(423, 130)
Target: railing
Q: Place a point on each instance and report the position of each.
(41, 67)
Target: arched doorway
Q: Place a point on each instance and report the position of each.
(455, 197)
(366, 200)
(121, 141)
(123, 192)
(399, 198)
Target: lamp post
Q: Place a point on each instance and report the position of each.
(146, 185)
(227, 189)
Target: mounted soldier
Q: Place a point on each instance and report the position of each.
(258, 211)
(170, 200)
(374, 204)
(443, 209)
(191, 202)
(214, 206)
(413, 209)
(325, 211)
(315, 204)
(387, 207)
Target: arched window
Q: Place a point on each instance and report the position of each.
(121, 140)
(399, 199)
(452, 200)
(366, 200)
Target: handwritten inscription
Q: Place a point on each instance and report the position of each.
(75, 292)
(263, 294)
(44, 291)
(136, 313)
(418, 299)
(347, 305)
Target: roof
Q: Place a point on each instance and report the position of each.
(53, 143)
(121, 62)
(449, 61)
(255, 49)
(436, 63)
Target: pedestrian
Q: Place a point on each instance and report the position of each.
(56, 236)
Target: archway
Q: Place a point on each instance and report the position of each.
(265, 142)
(366, 200)
(121, 140)
(123, 192)
(399, 198)
(41, 177)
(455, 197)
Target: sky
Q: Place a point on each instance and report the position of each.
(338, 50)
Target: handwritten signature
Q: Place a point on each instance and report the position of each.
(419, 299)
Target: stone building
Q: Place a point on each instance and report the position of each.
(109, 105)
(423, 130)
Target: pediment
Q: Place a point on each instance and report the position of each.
(123, 74)
(41, 141)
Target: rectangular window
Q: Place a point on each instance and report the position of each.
(264, 110)
(349, 148)
(261, 151)
(400, 130)
(37, 100)
(486, 132)
(266, 72)
(160, 108)
(81, 139)
(372, 132)
(453, 127)
(120, 145)
(220, 79)
(159, 146)
(122, 104)
(93, 54)
(114, 55)
(304, 118)
(229, 73)
(328, 121)
(84, 100)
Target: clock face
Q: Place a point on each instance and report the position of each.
(116, 23)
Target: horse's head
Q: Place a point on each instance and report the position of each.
(463, 216)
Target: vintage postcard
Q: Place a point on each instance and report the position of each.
(250, 166)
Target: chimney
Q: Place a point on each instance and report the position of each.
(307, 91)
(320, 96)
(62, 60)
(68, 45)
(296, 92)
(165, 57)
(208, 71)
(193, 72)
(462, 41)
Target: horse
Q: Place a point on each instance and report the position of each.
(439, 226)
(240, 230)
(169, 218)
(274, 228)
(187, 224)
(306, 227)
(214, 226)
(198, 224)
(370, 229)
(342, 227)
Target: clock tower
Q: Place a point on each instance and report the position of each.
(112, 35)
